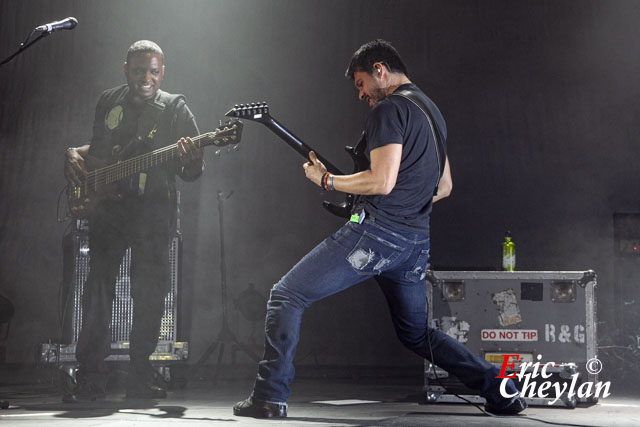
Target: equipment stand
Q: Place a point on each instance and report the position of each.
(24, 46)
(225, 336)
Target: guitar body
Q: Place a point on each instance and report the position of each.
(105, 176)
(360, 163)
(83, 198)
(259, 112)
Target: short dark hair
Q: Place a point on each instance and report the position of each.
(143, 46)
(377, 50)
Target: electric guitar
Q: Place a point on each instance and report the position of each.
(259, 112)
(101, 181)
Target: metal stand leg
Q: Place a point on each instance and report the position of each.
(225, 336)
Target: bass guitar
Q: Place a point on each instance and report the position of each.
(259, 112)
(103, 176)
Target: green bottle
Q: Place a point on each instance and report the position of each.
(508, 253)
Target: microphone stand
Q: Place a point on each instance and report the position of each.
(225, 336)
(24, 45)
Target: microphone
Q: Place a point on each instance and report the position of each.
(66, 24)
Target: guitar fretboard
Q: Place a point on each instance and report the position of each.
(94, 180)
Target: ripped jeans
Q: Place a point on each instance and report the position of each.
(356, 252)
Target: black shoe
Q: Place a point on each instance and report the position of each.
(513, 408)
(84, 392)
(145, 391)
(144, 372)
(255, 408)
(141, 383)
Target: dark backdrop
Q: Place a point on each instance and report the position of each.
(539, 97)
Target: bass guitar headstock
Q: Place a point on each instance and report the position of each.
(227, 133)
(256, 111)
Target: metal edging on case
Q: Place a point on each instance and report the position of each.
(590, 321)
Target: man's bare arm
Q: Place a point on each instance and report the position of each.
(380, 178)
(446, 183)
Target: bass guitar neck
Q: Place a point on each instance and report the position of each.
(100, 182)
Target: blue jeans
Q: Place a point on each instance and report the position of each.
(397, 260)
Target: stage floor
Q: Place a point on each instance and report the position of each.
(394, 402)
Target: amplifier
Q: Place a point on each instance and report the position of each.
(76, 269)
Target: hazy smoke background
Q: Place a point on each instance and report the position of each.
(540, 99)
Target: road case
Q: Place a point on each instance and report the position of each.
(513, 320)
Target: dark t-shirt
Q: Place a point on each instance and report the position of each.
(396, 120)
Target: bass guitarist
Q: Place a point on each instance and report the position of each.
(130, 119)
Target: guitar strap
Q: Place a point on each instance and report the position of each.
(438, 137)
(148, 124)
(148, 120)
(146, 131)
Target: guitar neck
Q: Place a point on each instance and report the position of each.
(295, 143)
(141, 163)
(126, 168)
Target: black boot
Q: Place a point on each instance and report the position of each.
(145, 390)
(513, 408)
(142, 384)
(89, 386)
(255, 408)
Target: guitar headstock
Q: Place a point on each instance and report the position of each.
(227, 133)
(256, 111)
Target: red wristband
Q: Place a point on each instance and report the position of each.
(324, 181)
